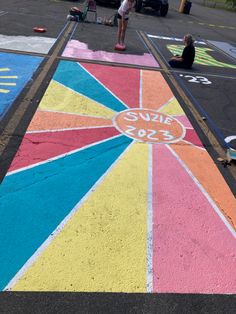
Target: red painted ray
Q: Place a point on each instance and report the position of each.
(122, 82)
(192, 137)
(38, 147)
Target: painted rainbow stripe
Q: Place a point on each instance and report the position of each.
(85, 208)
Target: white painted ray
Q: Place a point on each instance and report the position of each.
(196, 146)
(62, 155)
(149, 280)
(63, 223)
(73, 114)
(141, 89)
(27, 43)
(103, 85)
(70, 129)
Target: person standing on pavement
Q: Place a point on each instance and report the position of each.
(186, 60)
(123, 17)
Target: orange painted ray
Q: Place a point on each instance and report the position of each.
(203, 168)
(44, 120)
(155, 91)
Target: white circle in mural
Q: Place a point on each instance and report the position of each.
(150, 126)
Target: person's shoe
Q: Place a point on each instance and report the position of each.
(120, 47)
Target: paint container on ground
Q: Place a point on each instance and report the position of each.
(187, 7)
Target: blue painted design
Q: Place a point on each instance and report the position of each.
(34, 202)
(21, 66)
(74, 76)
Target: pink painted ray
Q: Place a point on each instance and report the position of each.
(193, 251)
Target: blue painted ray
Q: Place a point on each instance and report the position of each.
(74, 76)
(34, 201)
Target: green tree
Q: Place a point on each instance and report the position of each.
(232, 3)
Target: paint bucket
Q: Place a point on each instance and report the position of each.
(187, 7)
(39, 29)
(99, 20)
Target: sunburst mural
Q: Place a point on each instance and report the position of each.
(112, 190)
(15, 72)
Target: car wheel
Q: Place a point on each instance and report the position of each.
(138, 5)
(164, 9)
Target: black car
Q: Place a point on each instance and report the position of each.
(115, 2)
(158, 5)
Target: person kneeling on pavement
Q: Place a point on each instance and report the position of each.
(186, 60)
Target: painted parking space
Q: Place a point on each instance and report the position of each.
(15, 71)
(207, 59)
(94, 189)
(209, 84)
(34, 44)
(214, 97)
(227, 48)
(83, 45)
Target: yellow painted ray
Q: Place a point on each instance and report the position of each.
(60, 98)
(8, 76)
(172, 108)
(7, 84)
(4, 69)
(5, 91)
(103, 246)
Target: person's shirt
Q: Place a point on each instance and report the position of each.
(125, 8)
(188, 56)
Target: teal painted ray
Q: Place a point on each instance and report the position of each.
(33, 202)
(74, 76)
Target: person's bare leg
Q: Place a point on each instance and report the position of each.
(123, 31)
(119, 31)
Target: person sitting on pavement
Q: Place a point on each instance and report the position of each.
(186, 60)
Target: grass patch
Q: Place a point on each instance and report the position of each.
(229, 5)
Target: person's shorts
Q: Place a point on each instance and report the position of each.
(178, 64)
(120, 17)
